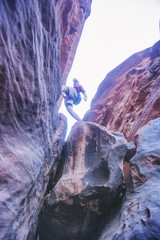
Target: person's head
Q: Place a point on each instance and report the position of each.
(76, 82)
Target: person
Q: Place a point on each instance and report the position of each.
(72, 97)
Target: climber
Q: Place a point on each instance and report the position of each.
(72, 96)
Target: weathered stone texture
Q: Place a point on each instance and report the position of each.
(139, 216)
(38, 40)
(71, 15)
(129, 96)
(31, 132)
(90, 184)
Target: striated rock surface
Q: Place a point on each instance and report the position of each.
(31, 131)
(139, 216)
(90, 185)
(79, 185)
(71, 15)
(129, 96)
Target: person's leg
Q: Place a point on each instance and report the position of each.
(73, 114)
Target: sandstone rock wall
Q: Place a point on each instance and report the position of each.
(71, 15)
(139, 216)
(129, 96)
(31, 131)
(38, 41)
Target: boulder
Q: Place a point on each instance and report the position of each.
(90, 184)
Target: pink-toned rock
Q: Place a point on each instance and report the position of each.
(71, 15)
(38, 43)
(90, 184)
(129, 96)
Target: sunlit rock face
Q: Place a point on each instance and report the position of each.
(139, 216)
(34, 36)
(90, 186)
(71, 15)
(129, 96)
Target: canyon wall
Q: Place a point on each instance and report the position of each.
(138, 217)
(129, 96)
(38, 40)
(71, 16)
(76, 189)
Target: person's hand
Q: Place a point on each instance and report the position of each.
(63, 94)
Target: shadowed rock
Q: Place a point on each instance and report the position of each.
(131, 151)
(89, 186)
(139, 216)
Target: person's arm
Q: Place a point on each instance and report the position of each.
(63, 94)
(84, 93)
(85, 96)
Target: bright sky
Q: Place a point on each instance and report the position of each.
(114, 31)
